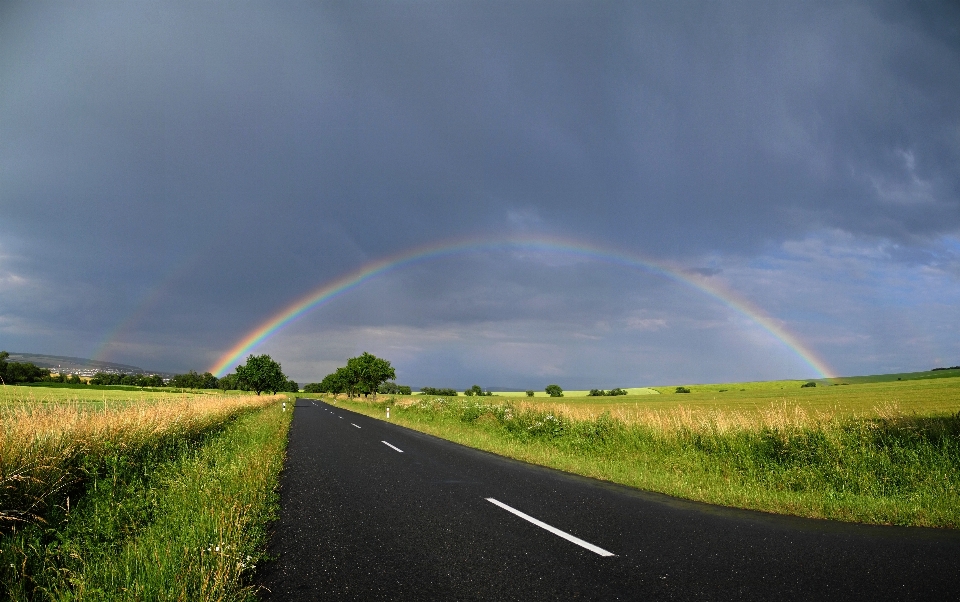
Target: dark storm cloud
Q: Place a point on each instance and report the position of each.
(204, 164)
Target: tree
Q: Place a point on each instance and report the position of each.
(367, 372)
(192, 380)
(683, 390)
(332, 383)
(554, 391)
(15, 372)
(474, 390)
(392, 388)
(228, 383)
(261, 373)
(441, 392)
(529, 392)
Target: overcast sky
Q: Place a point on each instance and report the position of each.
(174, 173)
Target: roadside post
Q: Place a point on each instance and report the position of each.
(388, 412)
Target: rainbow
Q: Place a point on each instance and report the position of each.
(331, 290)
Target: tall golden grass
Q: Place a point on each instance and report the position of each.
(46, 447)
(777, 415)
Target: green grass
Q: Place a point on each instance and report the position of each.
(884, 452)
(176, 517)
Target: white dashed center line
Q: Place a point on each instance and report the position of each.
(355, 425)
(392, 446)
(554, 530)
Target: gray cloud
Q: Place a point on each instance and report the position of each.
(184, 170)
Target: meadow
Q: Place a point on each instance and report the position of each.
(134, 495)
(877, 450)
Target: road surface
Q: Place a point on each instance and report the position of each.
(373, 511)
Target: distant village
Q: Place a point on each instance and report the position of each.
(32, 367)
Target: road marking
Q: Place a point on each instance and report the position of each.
(392, 446)
(355, 425)
(554, 530)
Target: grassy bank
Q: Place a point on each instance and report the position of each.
(166, 498)
(886, 465)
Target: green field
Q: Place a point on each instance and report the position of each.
(876, 450)
(120, 495)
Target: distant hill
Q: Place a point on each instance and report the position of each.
(74, 363)
(879, 378)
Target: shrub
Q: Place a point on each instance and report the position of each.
(809, 384)
(529, 392)
(440, 392)
(392, 388)
(682, 390)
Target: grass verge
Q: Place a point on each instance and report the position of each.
(890, 468)
(178, 514)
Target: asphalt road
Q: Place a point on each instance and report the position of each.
(373, 511)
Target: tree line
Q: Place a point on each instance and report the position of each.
(365, 374)
(20, 372)
(260, 373)
(602, 393)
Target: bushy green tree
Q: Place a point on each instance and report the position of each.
(529, 392)
(335, 382)
(682, 390)
(554, 390)
(367, 372)
(228, 382)
(16, 372)
(260, 374)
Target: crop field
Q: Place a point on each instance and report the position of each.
(922, 396)
(878, 450)
(135, 495)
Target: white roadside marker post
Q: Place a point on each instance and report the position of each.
(388, 413)
(284, 406)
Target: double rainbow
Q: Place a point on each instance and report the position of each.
(331, 290)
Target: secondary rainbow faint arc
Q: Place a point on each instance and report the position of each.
(347, 282)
